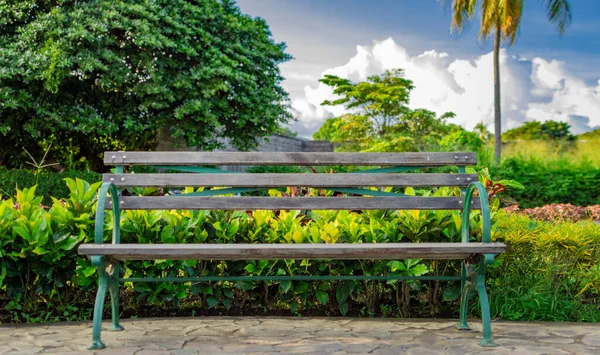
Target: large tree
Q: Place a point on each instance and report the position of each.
(502, 18)
(86, 76)
(379, 118)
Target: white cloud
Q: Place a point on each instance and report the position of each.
(531, 89)
(301, 76)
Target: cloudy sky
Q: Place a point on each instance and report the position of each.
(544, 76)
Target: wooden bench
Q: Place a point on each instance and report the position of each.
(192, 171)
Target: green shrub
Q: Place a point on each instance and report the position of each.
(48, 183)
(550, 271)
(43, 279)
(551, 181)
(38, 253)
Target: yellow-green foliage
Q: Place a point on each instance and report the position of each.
(582, 150)
(581, 239)
(550, 271)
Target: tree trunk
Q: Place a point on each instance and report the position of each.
(497, 114)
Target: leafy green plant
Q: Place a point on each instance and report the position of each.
(549, 272)
(551, 181)
(558, 277)
(49, 184)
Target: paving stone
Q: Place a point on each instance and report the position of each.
(189, 352)
(202, 349)
(578, 349)
(58, 350)
(556, 340)
(243, 348)
(591, 340)
(438, 325)
(389, 351)
(330, 333)
(565, 332)
(400, 341)
(27, 349)
(539, 350)
(361, 349)
(314, 348)
(153, 352)
(238, 335)
(375, 335)
(119, 351)
(45, 343)
(500, 350)
(371, 326)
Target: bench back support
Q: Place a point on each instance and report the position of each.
(305, 159)
(359, 183)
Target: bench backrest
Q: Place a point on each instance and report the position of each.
(238, 182)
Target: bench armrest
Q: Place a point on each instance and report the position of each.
(486, 222)
(99, 228)
(485, 213)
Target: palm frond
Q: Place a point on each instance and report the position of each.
(489, 17)
(462, 11)
(511, 19)
(559, 12)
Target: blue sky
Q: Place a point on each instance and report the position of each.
(545, 76)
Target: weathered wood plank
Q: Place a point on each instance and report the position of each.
(291, 251)
(279, 158)
(290, 203)
(279, 180)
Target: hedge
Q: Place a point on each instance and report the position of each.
(48, 183)
(552, 181)
(549, 272)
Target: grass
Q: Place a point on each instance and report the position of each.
(550, 271)
(581, 152)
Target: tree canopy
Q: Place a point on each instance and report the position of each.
(87, 76)
(535, 130)
(379, 118)
(383, 98)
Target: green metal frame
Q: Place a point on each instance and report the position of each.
(108, 269)
(476, 278)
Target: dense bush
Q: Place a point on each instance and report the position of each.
(547, 130)
(48, 183)
(82, 77)
(550, 271)
(551, 181)
(43, 279)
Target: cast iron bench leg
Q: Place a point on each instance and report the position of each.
(99, 305)
(113, 288)
(466, 289)
(484, 302)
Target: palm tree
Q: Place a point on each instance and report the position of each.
(502, 18)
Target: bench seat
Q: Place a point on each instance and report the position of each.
(291, 251)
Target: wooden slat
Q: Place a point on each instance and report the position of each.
(291, 251)
(290, 203)
(282, 180)
(264, 158)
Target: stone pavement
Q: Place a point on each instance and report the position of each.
(243, 335)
